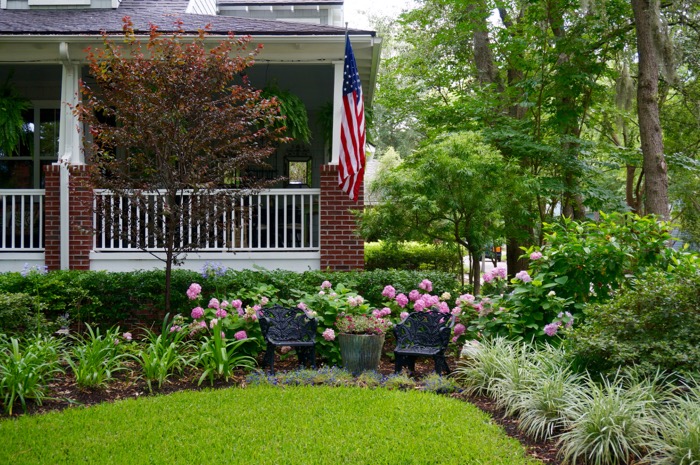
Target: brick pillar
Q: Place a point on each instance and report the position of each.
(341, 248)
(79, 213)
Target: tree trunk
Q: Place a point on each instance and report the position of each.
(646, 16)
(475, 271)
(513, 261)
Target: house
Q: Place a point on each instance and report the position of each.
(42, 48)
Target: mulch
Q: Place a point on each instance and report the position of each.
(63, 393)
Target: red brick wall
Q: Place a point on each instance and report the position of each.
(341, 248)
(80, 218)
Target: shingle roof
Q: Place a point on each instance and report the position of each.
(280, 2)
(144, 12)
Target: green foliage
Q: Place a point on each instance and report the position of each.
(219, 356)
(678, 442)
(205, 418)
(95, 357)
(296, 119)
(19, 313)
(26, 369)
(439, 384)
(655, 323)
(165, 353)
(12, 129)
(411, 256)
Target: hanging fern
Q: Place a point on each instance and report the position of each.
(294, 111)
(12, 104)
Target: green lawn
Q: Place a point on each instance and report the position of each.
(265, 425)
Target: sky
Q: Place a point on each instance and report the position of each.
(355, 10)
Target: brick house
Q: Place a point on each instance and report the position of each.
(302, 224)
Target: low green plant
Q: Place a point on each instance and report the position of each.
(401, 382)
(165, 353)
(26, 369)
(478, 372)
(219, 356)
(19, 316)
(608, 424)
(678, 442)
(439, 384)
(96, 357)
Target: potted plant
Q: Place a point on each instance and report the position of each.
(12, 126)
(361, 339)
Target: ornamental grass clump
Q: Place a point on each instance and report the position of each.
(96, 357)
(609, 424)
(678, 442)
(25, 370)
(478, 372)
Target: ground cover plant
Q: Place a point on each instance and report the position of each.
(295, 424)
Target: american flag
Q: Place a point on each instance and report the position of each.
(351, 167)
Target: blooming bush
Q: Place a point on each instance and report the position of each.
(362, 324)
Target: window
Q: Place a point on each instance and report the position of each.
(38, 148)
(298, 172)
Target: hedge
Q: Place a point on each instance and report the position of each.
(108, 298)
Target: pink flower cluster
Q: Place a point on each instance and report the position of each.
(523, 276)
(389, 292)
(329, 334)
(426, 285)
(194, 291)
(535, 255)
(496, 273)
(240, 335)
(356, 301)
(386, 311)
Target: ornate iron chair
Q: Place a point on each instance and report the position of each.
(423, 334)
(288, 327)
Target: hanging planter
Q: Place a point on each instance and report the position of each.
(294, 111)
(12, 129)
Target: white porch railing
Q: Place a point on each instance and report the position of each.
(276, 219)
(22, 220)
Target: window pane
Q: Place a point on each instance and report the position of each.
(48, 133)
(15, 174)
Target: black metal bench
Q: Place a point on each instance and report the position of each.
(423, 334)
(288, 327)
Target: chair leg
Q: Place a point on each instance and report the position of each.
(312, 351)
(269, 358)
(412, 363)
(398, 363)
(441, 364)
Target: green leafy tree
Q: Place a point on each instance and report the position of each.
(452, 191)
(174, 122)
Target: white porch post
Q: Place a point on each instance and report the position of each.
(337, 110)
(68, 144)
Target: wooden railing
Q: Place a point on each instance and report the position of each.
(22, 220)
(276, 219)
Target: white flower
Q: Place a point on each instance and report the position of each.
(551, 294)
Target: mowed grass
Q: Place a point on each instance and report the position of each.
(264, 425)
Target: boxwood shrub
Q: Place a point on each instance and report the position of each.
(411, 256)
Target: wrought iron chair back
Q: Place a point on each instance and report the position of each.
(423, 334)
(282, 326)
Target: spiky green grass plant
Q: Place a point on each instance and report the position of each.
(266, 425)
(95, 357)
(678, 442)
(609, 424)
(478, 372)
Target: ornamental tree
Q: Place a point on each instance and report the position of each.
(453, 190)
(171, 122)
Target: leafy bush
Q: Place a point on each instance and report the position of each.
(655, 324)
(20, 313)
(411, 256)
(219, 356)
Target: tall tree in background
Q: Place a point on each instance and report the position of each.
(170, 125)
(647, 24)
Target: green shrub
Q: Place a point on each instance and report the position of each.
(654, 324)
(96, 357)
(20, 313)
(411, 256)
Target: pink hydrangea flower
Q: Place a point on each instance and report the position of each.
(454, 339)
(523, 276)
(326, 285)
(197, 313)
(127, 336)
(376, 313)
(414, 295)
(552, 328)
(237, 303)
(302, 306)
(264, 301)
(488, 277)
(426, 285)
(240, 335)
(221, 313)
(213, 303)
(456, 311)
(499, 272)
(329, 334)
(401, 300)
(194, 291)
(459, 329)
(404, 315)
(175, 328)
(386, 311)
(418, 306)
(389, 292)
(213, 323)
(535, 255)
(443, 307)
(465, 299)
(223, 335)
(224, 304)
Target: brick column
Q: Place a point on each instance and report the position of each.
(79, 213)
(341, 248)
